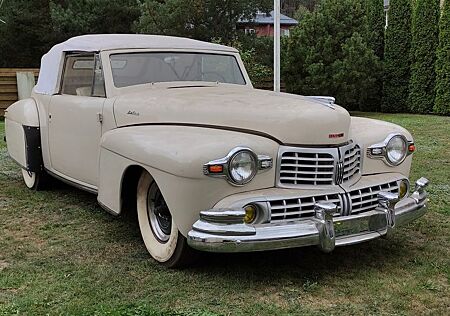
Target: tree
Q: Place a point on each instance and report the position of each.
(376, 24)
(34, 26)
(397, 59)
(327, 55)
(442, 103)
(356, 75)
(301, 13)
(289, 7)
(199, 19)
(425, 37)
(27, 34)
(77, 17)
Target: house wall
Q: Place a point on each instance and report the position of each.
(266, 30)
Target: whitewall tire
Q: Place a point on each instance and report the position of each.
(29, 178)
(35, 180)
(159, 231)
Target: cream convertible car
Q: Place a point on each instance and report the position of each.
(172, 129)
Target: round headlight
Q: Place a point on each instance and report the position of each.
(242, 167)
(396, 150)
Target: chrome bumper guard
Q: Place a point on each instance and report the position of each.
(224, 230)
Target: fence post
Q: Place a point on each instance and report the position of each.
(25, 84)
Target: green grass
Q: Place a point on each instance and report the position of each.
(61, 254)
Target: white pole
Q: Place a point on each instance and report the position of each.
(276, 46)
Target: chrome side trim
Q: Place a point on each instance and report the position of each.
(71, 183)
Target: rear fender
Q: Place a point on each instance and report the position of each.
(23, 136)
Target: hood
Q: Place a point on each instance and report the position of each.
(291, 119)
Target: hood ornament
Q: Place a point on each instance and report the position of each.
(328, 101)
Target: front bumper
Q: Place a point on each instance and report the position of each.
(224, 231)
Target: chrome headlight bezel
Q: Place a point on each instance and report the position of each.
(261, 163)
(380, 150)
(254, 166)
(404, 153)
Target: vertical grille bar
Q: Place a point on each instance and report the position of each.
(318, 166)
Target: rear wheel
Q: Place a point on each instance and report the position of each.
(34, 180)
(160, 233)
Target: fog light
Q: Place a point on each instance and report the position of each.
(403, 188)
(250, 213)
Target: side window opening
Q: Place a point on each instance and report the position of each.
(83, 76)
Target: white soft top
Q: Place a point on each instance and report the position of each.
(52, 62)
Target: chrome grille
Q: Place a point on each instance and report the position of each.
(366, 199)
(318, 166)
(352, 163)
(296, 208)
(306, 168)
(353, 202)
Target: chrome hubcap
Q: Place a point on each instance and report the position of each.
(158, 214)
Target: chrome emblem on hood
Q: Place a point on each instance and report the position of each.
(337, 135)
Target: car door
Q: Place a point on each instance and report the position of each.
(75, 120)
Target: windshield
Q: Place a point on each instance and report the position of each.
(140, 68)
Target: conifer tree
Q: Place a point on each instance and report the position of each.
(442, 103)
(397, 61)
(425, 38)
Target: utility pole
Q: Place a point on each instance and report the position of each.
(276, 46)
(1, 4)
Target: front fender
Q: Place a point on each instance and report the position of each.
(174, 156)
(367, 132)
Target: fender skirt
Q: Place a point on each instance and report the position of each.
(33, 148)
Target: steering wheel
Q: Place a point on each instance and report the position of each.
(221, 78)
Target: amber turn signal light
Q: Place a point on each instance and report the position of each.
(215, 169)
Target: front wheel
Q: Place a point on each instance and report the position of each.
(160, 233)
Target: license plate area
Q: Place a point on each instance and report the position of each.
(360, 224)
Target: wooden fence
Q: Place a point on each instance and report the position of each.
(8, 86)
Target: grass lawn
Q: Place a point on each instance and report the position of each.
(60, 253)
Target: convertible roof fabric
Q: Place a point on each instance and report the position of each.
(52, 62)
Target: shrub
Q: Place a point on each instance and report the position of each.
(326, 55)
(397, 57)
(442, 103)
(425, 31)
(356, 75)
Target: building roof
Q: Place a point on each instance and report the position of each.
(268, 18)
(52, 62)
